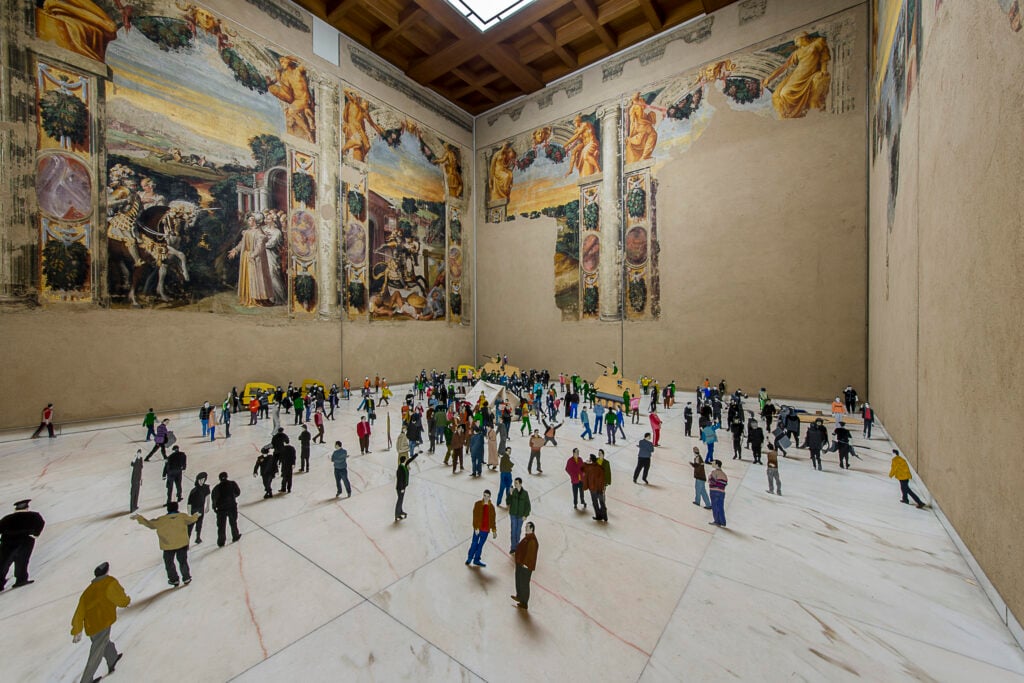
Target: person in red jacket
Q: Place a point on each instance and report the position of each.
(656, 426)
(574, 468)
(46, 422)
(363, 432)
(254, 409)
(484, 522)
(526, 563)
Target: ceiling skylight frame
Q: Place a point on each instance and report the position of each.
(473, 13)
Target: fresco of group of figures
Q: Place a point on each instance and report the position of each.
(557, 169)
(402, 228)
(211, 171)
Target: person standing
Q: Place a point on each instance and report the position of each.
(205, 411)
(867, 413)
(476, 451)
(620, 421)
(774, 482)
(46, 422)
(598, 418)
(718, 481)
(149, 422)
(402, 443)
(900, 470)
(708, 436)
(287, 461)
(536, 443)
(609, 424)
(402, 483)
(700, 490)
(634, 410)
(850, 398)
(755, 437)
(363, 430)
(95, 614)
(174, 466)
(843, 445)
(688, 419)
(225, 417)
(18, 533)
(505, 473)
(492, 448)
(655, 426)
(299, 404)
(304, 438)
(458, 443)
(526, 564)
(484, 523)
(340, 460)
(736, 429)
(136, 465)
(643, 457)
(172, 532)
(574, 468)
(594, 476)
(518, 510)
(197, 505)
(318, 420)
(224, 499)
(524, 425)
(837, 410)
(254, 410)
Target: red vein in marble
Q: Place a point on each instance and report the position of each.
(370, 539)
(248, 605)
(655, 512)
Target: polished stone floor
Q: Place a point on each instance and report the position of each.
(833, 581)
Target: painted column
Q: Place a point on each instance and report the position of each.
(329, 212)
(610, 274)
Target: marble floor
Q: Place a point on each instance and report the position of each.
(833, 581)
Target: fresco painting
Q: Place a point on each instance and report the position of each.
(402, 234)
(64, 183)
(557, 171)
(204, 186)
(1013, 14)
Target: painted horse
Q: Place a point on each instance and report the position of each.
(159, 231)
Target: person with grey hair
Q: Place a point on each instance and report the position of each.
(95, 614)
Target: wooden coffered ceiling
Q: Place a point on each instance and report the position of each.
(437, 47)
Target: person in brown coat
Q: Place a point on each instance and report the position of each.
(526, 563)
(484, 522)
(594, 476)
(536, 442)
(458, 441)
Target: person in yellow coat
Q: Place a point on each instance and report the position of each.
(900, 470)
(96, 613)
(172, 530)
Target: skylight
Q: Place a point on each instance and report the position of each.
(486, 14)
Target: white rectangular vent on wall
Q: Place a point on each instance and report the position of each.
(325, 41)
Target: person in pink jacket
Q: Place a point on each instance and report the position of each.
(656, 426)
(574, 468)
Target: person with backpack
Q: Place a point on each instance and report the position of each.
(160, 439)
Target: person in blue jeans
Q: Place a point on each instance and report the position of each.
(585, 419)
(717, 480)
(708, 436)
(505, 466)
(518, 511)
(620, 420)
(598, 419)
(700, 490)
(484, 523)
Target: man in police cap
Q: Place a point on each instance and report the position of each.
(17, 539)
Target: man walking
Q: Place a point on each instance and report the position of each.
(266, 468)
(484, 522)
(585, 419)
(900, 471)
(174, 466)
(95, 614)
(815, 441)
(401, 483)
(700, 490)
(149, 422)
(224, 499)
(518, 510)
(136, 486)
(160, 439)
(18, 532)
(574, 468)
(340, 459)
(287, 461)
(594, 474)
(172, 532)
(46, 422)
(643, 457)
(526, 563)
(774, 482)
(536, 443)
(843, 445)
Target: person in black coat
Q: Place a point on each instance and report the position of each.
(174, 466)
(304, 438)
(401, 483)
(688, 419)
(815, 441)
(197, 504)
(279, 441)
(224, 499)
(266, 467)
(843, 445)
(287, 462)
(755, 436)
(18, 532)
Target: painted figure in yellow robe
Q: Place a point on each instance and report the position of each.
(642, 134)
(255, 286)
(807, 84)
(585, 152)
(77, 25)
(450, 163)
(501, 172)
(355, 118)
(290, 85)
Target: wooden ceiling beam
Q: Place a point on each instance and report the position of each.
(548, 36)
(651, 14)
(335, 11)
(684, 12)
(448, 17)
(376, 9)
(508, 62)
(587, 9)
(447, 58)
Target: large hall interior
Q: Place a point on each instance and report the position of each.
(766, 250)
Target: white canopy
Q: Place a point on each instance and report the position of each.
(492, 392)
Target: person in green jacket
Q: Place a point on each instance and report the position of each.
(518, 510)
(149, 422)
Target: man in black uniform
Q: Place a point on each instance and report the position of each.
(815, 441)
(843, 445)
(304, 437)
(287, 461)
(688, 419)
(279, 441)
(266, 468)
(197, 505)
(225, 503)
(173, 467)
(17, 539)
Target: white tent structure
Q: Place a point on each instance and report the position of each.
(492, 392)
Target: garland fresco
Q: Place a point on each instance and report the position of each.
(402, 220)
(558, 170)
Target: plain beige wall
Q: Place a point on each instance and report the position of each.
(960, 314)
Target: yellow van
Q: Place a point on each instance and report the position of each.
(249, 393)
(307, 383)
(464, 371)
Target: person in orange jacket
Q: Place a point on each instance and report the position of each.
(484, 523)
